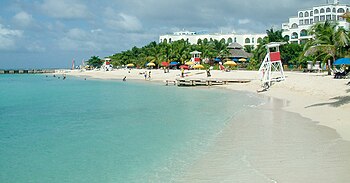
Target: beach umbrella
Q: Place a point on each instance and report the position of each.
(174, 63)
(242, 60)
(230, 63)
(217, 60)
(130, 65)
(165, 64)
(189, 63)
(151, 64)
(183, 66)
(198, 66)
(341, 61)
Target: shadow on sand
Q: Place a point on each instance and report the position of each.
(339, 101)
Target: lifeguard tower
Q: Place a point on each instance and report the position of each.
(271, 69)
(196, 57)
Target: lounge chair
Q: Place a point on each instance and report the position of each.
(340, 74)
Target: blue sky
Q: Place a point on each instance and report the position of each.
(50, 33)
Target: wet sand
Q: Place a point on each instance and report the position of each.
(268, 144)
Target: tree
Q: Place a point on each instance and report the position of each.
(95, 61)
(328, 43)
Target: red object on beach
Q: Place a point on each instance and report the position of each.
(222, 67)
(197, 59)
(165, 64)
(184, 67)
(107, 63)
(275, 56)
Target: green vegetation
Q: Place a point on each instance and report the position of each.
(328, 43)
(95, 61)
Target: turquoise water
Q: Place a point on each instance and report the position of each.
(75, 130)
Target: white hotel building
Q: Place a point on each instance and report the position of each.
(295, 30)
(193, 37)
(297, 27)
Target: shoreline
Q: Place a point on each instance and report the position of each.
(299, 133)
(312, 95)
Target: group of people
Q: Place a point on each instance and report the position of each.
(147, 76)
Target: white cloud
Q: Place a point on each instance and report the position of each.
(64, 9)
(243, 21)
(8, 38)
(96, 30)
(77, 34)
(23, 19)
(35, 47)
(79, 40)
(122, 21)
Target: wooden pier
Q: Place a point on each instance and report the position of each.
(203, 82)
(27, 71)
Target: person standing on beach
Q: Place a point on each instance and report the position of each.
(149, 75)
(182, 72)
(208, 73)
(145, 74)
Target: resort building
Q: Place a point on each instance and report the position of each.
(296, 29)
(195, 38)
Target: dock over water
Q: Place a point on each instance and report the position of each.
(204, 82)
(27, 71)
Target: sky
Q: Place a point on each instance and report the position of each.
(51, 33)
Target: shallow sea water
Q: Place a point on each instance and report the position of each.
(75, 130)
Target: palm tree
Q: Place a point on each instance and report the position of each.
(328, 42)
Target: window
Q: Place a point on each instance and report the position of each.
(311, 13)
(322, 10)
(301, 14)
(294, 26)
(334, 11)
(307, 22)
(169, 40)
(229, 40)
(294, 35)
(306, 14)
(235, 40)
(286, 37)
(311, 21)
(341, 10)
(247, 40)
(317, 19)
(328, 17)
(303, 33)
(316, 11)
(322, 18)
(252, 40)
(259, 40)
(328, 10)
(340, 18)
(301, 22)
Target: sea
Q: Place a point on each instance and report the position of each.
(76, 130)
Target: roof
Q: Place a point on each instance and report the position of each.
(234, 46)
(239, 53)
(236, 50)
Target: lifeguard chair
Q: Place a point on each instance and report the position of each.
(271, 69)
(196, 57)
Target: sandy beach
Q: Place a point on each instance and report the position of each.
(312, 144)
